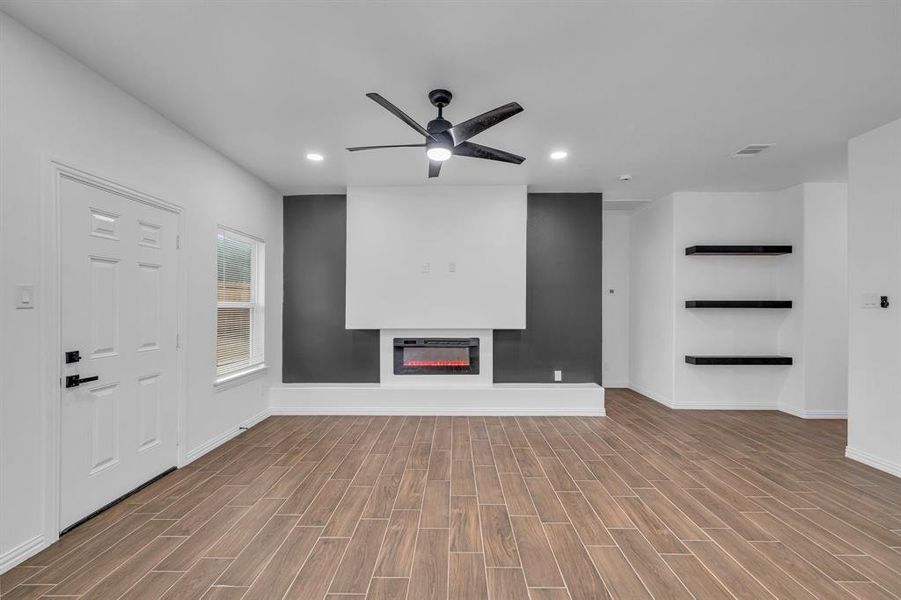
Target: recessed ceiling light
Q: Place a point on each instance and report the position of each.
(315, 156)
(559, 154)
(625, 177)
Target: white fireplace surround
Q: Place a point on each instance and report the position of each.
(437, 261)
(438, 394)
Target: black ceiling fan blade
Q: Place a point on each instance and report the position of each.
(476, 125)
(358, 148)
(478, 151)
(434, 168)
(398, 113)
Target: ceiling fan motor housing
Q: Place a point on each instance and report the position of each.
(440, 137)
(438, 125)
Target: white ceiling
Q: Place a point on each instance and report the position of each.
(663, 90)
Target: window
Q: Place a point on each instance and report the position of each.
(239, 305)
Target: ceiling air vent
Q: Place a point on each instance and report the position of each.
(751, 150)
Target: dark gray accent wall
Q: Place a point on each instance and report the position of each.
(317, 348)
(563, 295)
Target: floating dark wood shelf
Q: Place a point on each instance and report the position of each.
(738, 304)
(733, 249)
(738, 360)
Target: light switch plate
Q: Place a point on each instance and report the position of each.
(869, 300)
(24, 295)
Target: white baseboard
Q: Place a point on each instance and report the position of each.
(814, 414)
(615, 384)
(888, 466)
(804, 414)
(223, 437)
(497, 399)
(700, 405)
(664, 400)
(791, 410)
(723, 406)
(20, 553)
(826, 414)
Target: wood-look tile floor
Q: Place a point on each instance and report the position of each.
(646, 503)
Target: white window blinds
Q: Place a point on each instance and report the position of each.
(239, 339)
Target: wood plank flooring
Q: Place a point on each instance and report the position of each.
(645, 503)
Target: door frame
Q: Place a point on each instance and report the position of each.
(49, 297)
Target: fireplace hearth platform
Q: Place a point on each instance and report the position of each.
(585, 399)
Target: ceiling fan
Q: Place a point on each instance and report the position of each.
(443, 139)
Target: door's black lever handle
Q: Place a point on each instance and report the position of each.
(76, 380)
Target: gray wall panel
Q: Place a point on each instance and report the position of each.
(317, 348)
(563, 295)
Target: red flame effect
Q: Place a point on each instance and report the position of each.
(436, 363)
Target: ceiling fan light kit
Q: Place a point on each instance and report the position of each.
(439, 153)
(443, 139)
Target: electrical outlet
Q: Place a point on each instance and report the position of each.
(558, 375)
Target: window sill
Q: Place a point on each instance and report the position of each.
(238, 377)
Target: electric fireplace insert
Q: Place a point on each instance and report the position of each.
(436, 356)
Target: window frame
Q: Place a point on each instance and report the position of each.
(256, 361)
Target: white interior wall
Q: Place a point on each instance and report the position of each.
(615, 276)
(874, 261)
(790, 336)
(55, 108)
(651, 300)
(825, 297)
(446, 257)
(734, 218)
(810, 217)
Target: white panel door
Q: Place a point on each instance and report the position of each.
(118, 278)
